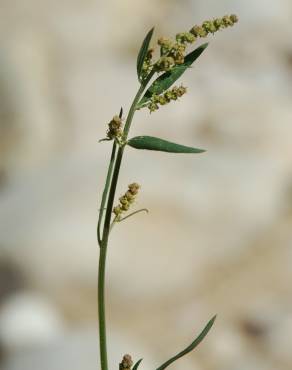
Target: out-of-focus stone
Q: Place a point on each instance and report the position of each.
(28, 320)
(77, 349)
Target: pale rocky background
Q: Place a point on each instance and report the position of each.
(218, 237)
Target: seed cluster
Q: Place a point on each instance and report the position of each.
(172, 52)
(165, 98)
(114, 128)
(126, 200)
(126, 363)
(214, 25)
(147, 65)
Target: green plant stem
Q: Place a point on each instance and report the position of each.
(111, 188)
(105, 192)
(134, 213)
(101, 308)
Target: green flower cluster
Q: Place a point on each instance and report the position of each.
(214, 25)
(185, 38)
(147, 65)
(114, 128)
(172, 52)
(166, 97)
(126, 363)
(126, 200)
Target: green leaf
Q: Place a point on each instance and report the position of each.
(143, 52)
(192, 346)
(121, 112)
(154, 143)
(167, 79)
(135, 367)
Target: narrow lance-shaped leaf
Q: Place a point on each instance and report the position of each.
(135, 367)
(192, 346)
(154, 143)
(167, 79)
(143, 52)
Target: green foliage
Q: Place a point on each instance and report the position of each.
(155, 143)
(167, 79)
(191, 347)
(135, 367)
(143, 52)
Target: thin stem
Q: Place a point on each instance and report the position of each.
(105, 192)
(101, 309)
(119, 160)
(106, 230)
(107, 184)
(115, 220)
(134, 213)
(113, 224)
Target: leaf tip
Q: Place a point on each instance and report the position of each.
(135, 367)
(143, 53)
(104, 139)
(200, 151)
(213, 318)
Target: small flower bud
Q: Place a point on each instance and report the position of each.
(164, 42)
(134, 188)
(153, 107)
(178, 48)
(165, 63)
(155, 98)
(218, 23)
(198, 31)
(126, 363)
(150, 53)
(162, 100)
(126, 200)
(168, 95)
(123, 200)
(227, 21)
(179, 57)
(181, 91)
(185, 37)
(117, 210)
(146, 68)
(114, 128)
(209, 27)
(125, 206)
(174, 93)
(234, 18)
(130, 197)
(165, 45)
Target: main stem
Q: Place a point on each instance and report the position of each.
(106, 230)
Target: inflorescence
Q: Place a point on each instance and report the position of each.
(126, 363)
(115, 128)
(172, 52)
(126, 200)
(166, 97)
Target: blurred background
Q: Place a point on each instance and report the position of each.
(218, 236)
